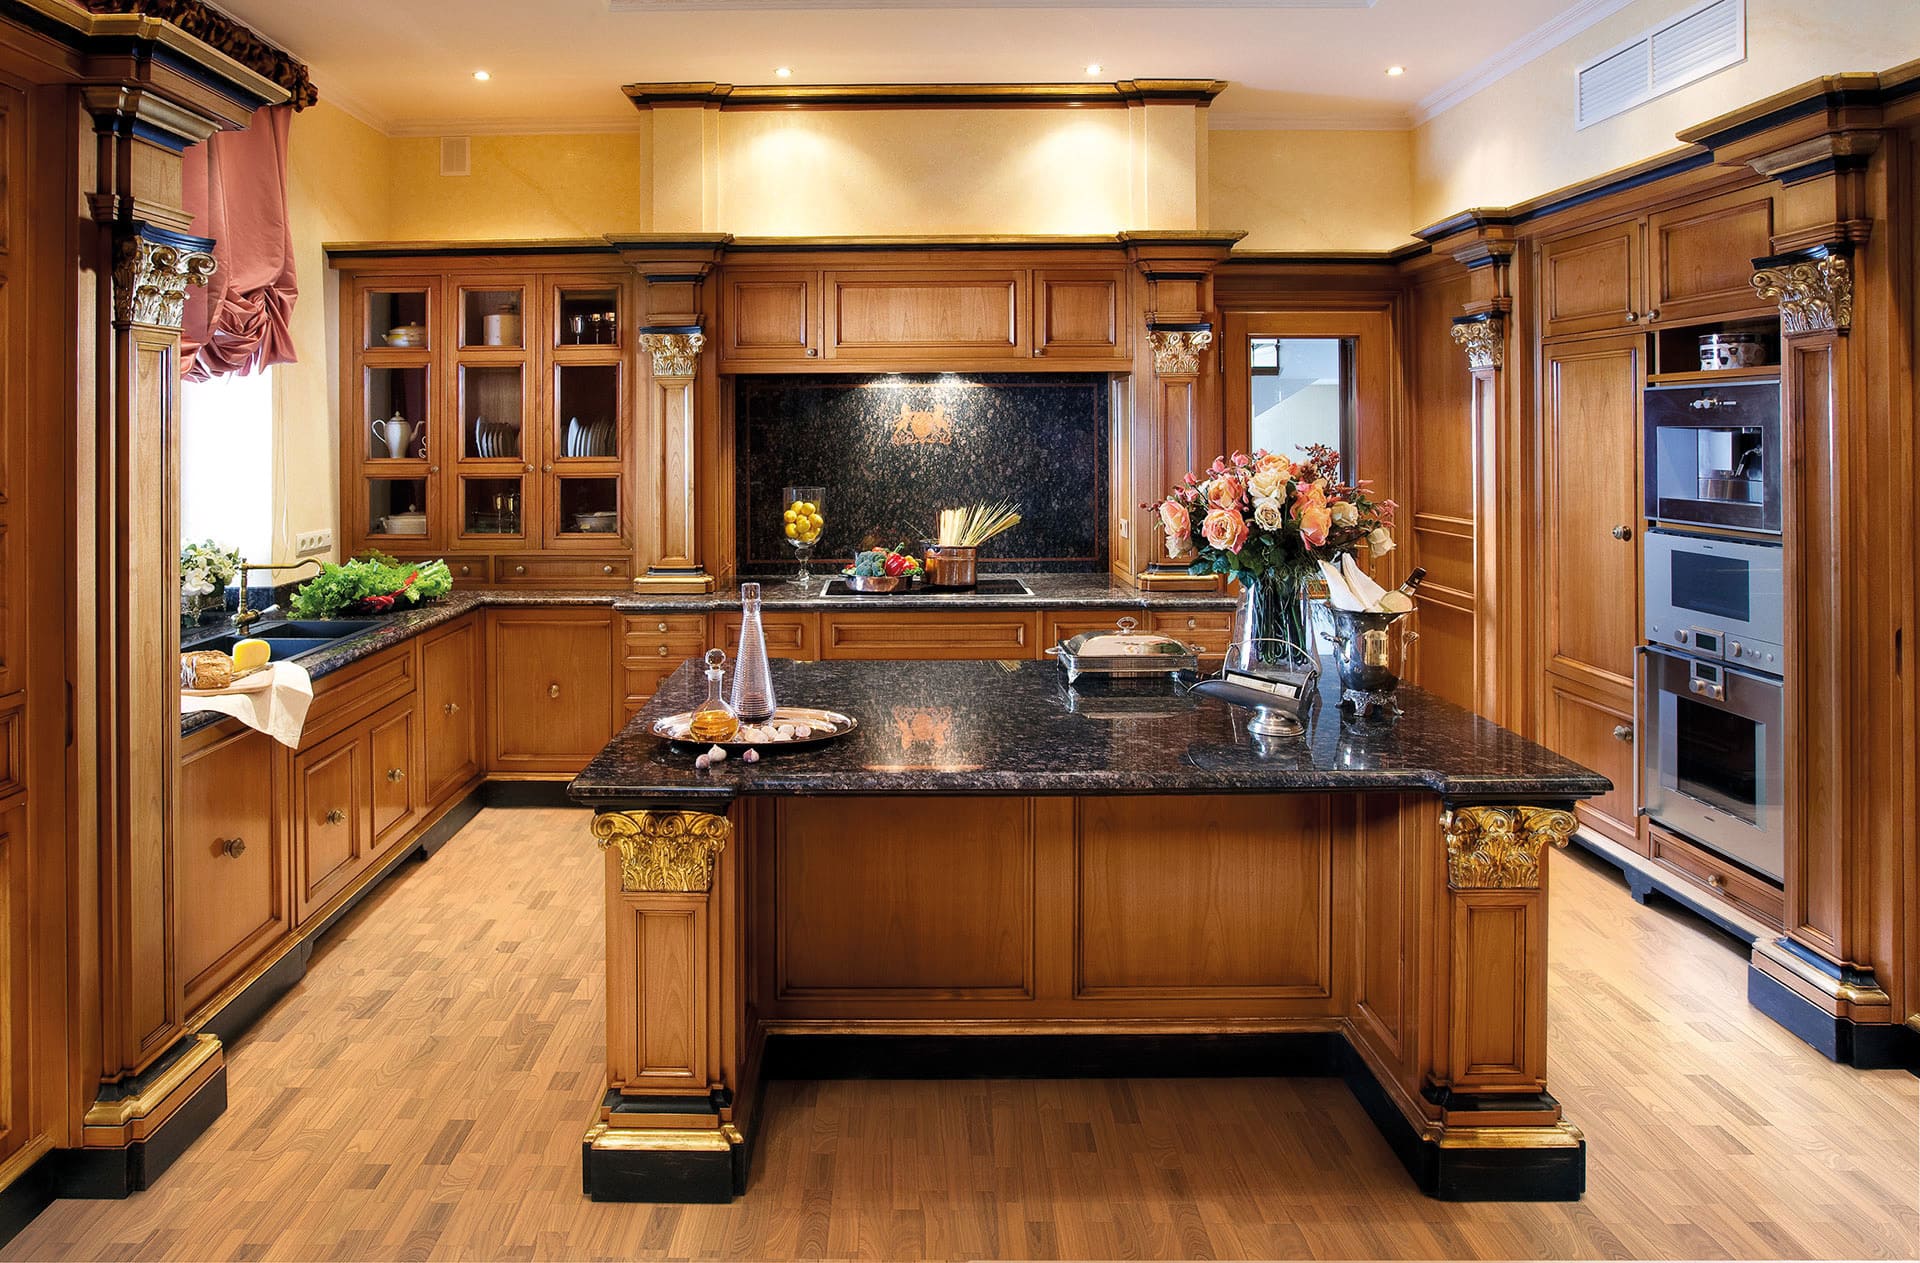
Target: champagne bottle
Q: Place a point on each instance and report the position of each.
(1414, 580)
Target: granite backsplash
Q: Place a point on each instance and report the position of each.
(893, 450)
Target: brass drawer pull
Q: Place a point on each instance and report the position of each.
(663, 626)
(519, 570)
(1621, 732)
(663, 651)
(336, 816)
(452, 708)
(1192, 623)
(553, 690)
(606, 570)
(233, 848)
(396, 775)
(1716, 881)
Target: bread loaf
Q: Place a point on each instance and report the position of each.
(205, 669)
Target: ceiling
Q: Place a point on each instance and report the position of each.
(407, 66)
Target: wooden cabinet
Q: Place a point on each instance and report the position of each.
(1591, 281)
(1059, 625)
(971, 315)
(1078, 313)
(788, 635)
(332, 824)
(452, 717)
(957, 636)
(1209, 630)
(550, 689)
(771, 317)
(1717, 878)
(1700, 257)
(1590, 508)
(393, 789)
(1595, 728)
(230, 860)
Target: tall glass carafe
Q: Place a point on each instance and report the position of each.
(752, 681)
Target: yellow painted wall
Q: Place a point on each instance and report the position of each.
(879, 172)
(1312, 190)
(1516, 139)
(521, 186)
(337, 190)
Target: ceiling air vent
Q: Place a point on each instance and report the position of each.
(1702, 41)
(456, 155)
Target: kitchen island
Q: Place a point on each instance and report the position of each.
(998, 873)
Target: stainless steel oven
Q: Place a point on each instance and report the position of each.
(1713, 455)
(1710, 756)
(1717, 598)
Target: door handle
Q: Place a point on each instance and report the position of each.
(396, 775)
(1622, 732)
(553, 690)
(451, 708)
(1641, 708)
(336, 816)
(1623, 532)
(233, 848)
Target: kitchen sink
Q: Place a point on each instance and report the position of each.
(993, 585)
(284, 647)
(294, 637)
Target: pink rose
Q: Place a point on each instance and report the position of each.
(1225, 491)
(1315, 521)
(1174, 519)
(1225, 529)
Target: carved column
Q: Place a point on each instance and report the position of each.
(679, 445)
(1178, 426)
(668, 1129)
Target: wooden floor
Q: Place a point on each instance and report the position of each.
(422, 1095)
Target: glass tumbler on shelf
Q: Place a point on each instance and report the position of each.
(802, 521)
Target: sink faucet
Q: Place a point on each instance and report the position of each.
(245, 617)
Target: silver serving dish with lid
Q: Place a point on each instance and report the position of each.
(1124, 652)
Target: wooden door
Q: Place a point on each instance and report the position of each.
(771, 317)
(331, 820)
(550, 697)
(1591, 282)
(1700, 257)
(1590, 509)
(1077, 313)
(393, 792)
(450, 713)
(230, 887)
(1595, 728)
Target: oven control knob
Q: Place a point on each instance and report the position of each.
(1683, 635)
(1733, 648)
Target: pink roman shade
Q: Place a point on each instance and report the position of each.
(236, 191)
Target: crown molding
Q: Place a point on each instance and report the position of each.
(1528, 48)
(755, 6)
(727, 96)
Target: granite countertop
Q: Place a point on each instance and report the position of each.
(1015, 728)
(1050, 591)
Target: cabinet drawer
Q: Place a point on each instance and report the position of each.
(535, 571)
(550, 699)
(930, 636)
(1062, 625)
(1718, 877)
(647, 628)
(450, 708)
(793, 636)
(1208, 629)
(230, 862)
(349, 696)
(470, 569)
(330, 820)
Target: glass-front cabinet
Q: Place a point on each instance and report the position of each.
(487, 414)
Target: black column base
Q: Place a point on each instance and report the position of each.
(119, 1173)
(1863, 1045)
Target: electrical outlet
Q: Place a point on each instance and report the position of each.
(307, 542)
(1125, 533)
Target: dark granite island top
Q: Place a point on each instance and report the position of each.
(1016, 728)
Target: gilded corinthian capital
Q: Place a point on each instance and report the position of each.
(150, 279)
(1176, 352)
(1498, 848)
(664, 851)
(1815, 295)
(1484, 341)
(674, 354)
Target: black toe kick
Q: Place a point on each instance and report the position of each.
(634, 1175)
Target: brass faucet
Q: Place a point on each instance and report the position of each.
(245, 617)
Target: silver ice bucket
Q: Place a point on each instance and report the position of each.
(1370, 652)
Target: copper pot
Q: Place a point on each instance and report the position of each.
(951, 565)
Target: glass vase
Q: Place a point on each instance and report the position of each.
(1271, 627)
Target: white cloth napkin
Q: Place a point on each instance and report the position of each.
(1352, 589)
(276, 706)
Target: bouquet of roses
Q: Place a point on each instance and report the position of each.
(1250, 516)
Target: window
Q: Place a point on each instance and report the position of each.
(1301, 393)
(226, 462)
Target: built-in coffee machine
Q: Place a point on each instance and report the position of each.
(1713, 456)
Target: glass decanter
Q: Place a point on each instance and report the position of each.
(801, 521)
(713, 719)
(752, 694)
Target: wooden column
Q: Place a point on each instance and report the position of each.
(668, 1127)
(678, 415)
(1177, 424)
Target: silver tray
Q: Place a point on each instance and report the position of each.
(1158, 655)
(842, 725)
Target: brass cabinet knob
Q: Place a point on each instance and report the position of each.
(663, 651)
(336, 816)
(526, 469)
(466, 569)
(547, 468)
(608, 569)
(1623, 532)
(433, 469)
(663, 627)
(1654, 314)
(1716, 881)
(1621, 732)
(813, 350)
(396, 775)
(519, 570)
(553, 690)
(1192, 623)
(233, 848)
(1633, 317)
(451, 708)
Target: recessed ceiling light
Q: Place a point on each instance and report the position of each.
(783, 72)
(482, 75)
(1093, 67)
(1394, 72)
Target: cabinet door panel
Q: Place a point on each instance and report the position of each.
(907, 315)
(450, 717)
(393, 791)
(1596, 731)
(1591, 282)
(1078, 313)
(772, 316)
(229, 877)
(330, 816)
(1702, 256)
(1592, 427)
(550, 700)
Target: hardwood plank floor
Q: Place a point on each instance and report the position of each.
(422, 1095)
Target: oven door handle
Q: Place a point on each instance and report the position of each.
(1640, 710)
